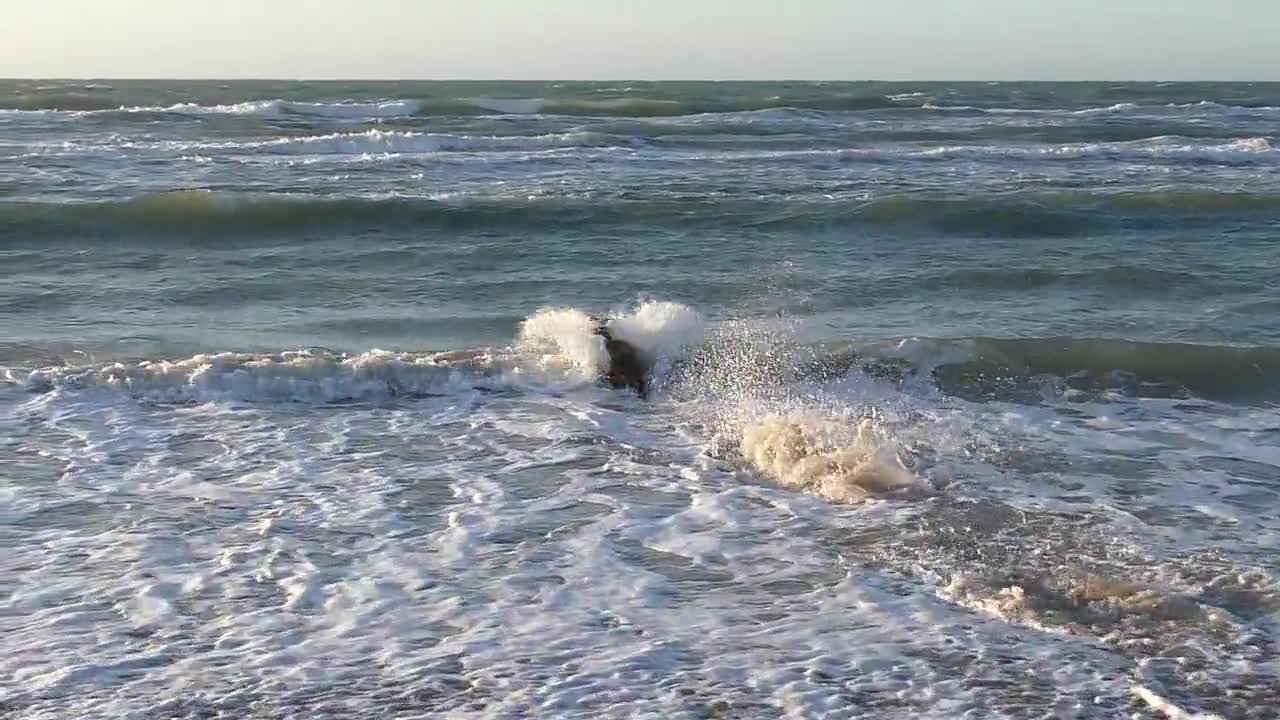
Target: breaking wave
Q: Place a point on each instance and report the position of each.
(566, 338)
(292, 376)
(842, 461)
(584, 106)
(264, 108)
(552, 345)
(382, 141)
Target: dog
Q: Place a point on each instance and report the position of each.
(627, 367)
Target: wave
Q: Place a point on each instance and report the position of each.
(1214, 105)
(293, 376)
(1065, 213)
(837, 459)
(1024, 214)
(372, 142)
(642, 100)
(566, 338)
(263, 108)
(658, 107)
(1081, 368)
(553, 345)
(630, 106)
(1101, 110)
(385, 141)
(1116, 277)
(683, 143)
(1241, 150)
(1113, 109)
(201, 213)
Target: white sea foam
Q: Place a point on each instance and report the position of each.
(908, 96)
(1247, 150)
(263, 108)
(843, 460)
(383, 109)
(660, 330)
(533, 553)
(566, 337)
(300, 376)
(389, 141)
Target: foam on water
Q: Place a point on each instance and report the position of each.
(389, 141)
(662, 331)
(551, 550)
(566, 338)
(262, 108)
(837, 461)
(295, 376)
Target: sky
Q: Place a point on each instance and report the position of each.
(644, 39)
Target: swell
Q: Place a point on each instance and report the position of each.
(1032, 214)
(200, 213)
(1082, 368)
(1117, 277)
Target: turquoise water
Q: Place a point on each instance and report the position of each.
(302, 416)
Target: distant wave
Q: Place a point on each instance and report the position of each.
(266, 108)
(1103, 110)
(369, 142)
(1114, 277)
(755, 144)
(1113, 109)
(380, 141)
(199, 213)
(393, 100)
(1247, 150)
(587, 106)
(628, 106)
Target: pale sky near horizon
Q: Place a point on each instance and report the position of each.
(647, 39)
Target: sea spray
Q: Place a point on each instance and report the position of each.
(842, 461)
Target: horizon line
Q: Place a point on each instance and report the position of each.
(213, 78)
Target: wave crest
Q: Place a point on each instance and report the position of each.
(566, 338)
(386, 141)
(840, 461)
(295, 376)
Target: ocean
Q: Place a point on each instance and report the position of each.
(965, 400)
